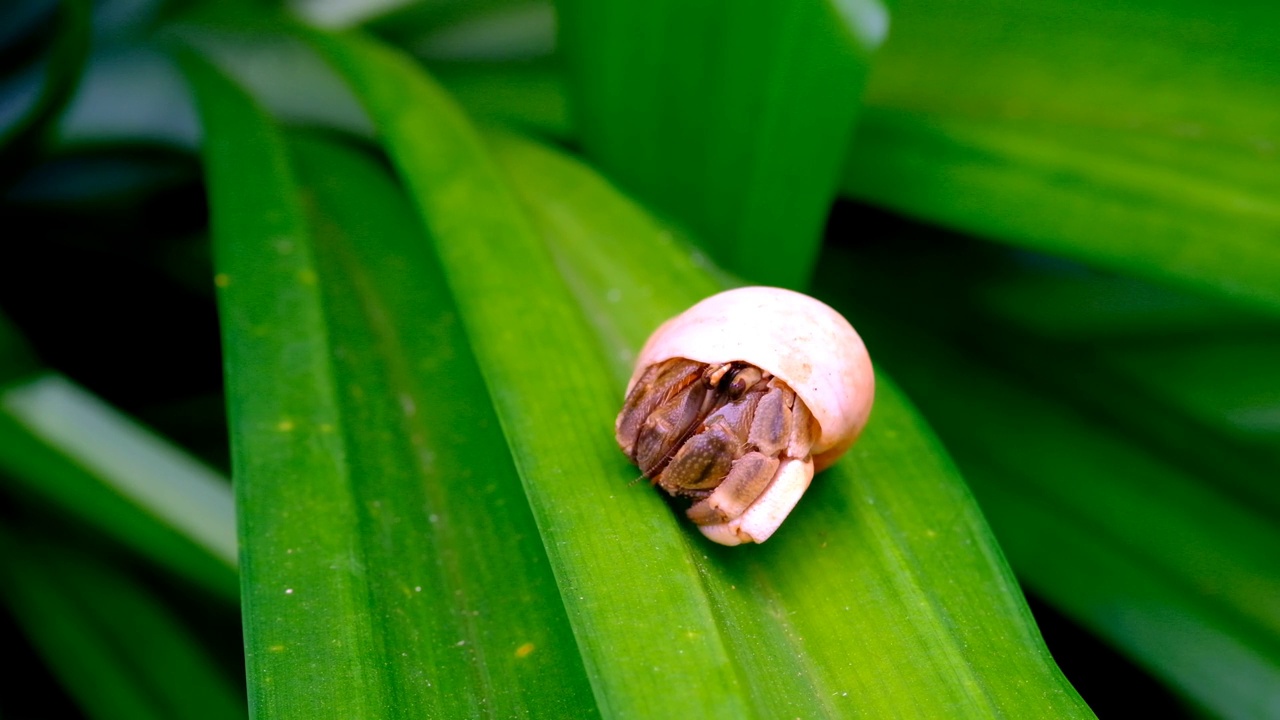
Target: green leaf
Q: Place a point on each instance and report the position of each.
(287, 456)
(882, 511)
(1158, 562)
(69, 449)
(1228, 382)
(855, 608)
(65, 445)
(1112, 505)
(1138, 136)
(552, 413)
(391, 563)
(118, 650)
(526, 95)
(730, 120)
(400, 343)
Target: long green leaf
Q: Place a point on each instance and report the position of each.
(1162, 562)
(556, 395)
(422, 437)
(1139, 135)
(287, 453)
(601, 249)
(160, 479)
(69, 449)
(1156, 561)
(390, 562)
(730, 119)
(117, 649)
(1183, 375)
(1228, 382)
(553, 395)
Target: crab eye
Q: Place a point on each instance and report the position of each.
(740, 378)
(732, 384)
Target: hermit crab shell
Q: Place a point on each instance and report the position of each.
(794, 337)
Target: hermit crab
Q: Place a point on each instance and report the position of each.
(737, 401)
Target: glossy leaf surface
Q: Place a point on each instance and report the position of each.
(117, 648)
(365, 590)
(1140, 136)
(1146, 525)
(66, 448)
(548, 374)
(727, 118)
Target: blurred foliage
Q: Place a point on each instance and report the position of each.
(433, 234)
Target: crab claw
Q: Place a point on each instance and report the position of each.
(759, 521)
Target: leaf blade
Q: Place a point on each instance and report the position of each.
(407, 529)
(283, 421)
(68, 449)
(500, 238)
(734, 138)
(116, 648)
(505, 652)
(854, 515)
(1149, 154)
(1133, 543)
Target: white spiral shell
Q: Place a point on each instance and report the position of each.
(791, 335)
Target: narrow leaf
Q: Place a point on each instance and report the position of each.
(65, 446)
(1139, 136)
(729, 119)
(287, 454)
(429, 465)
(67, 475)
(379, 507)
(145, 470)
(119, 651)
(887, 534)
(1159, 562)
(556, 395)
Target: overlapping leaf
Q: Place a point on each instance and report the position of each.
(119, 651)
(1138, 135)
(391, 566)
(69, 450)
(731, 120)
(1144, 524)
(657, 631)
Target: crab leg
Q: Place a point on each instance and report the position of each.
(767, 513)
